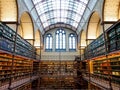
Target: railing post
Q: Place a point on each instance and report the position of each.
(13, 55)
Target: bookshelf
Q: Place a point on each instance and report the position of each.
(96, 48)
(108, 67)
(57, 68)
(101, 67)
(21, 68)
(105, 66)
(115, 66)
(5, 69)
(36, 67)
(99, 46)
(57, 75)
(19, 64)
(24, 48)
(118, 37)
(57, 83)
(7, 43)
(6, 38)
(112, 37)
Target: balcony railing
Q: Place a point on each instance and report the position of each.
(100, 46)
(7, 43)
(102, 81)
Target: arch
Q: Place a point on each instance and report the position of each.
(111, 10)
(94, 27)
(119, 11)
(20, 30)
(8, 10)
(83, 39)
(37, 39)
(26, 26)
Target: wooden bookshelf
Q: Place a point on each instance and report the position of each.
(21, 68)
(5, 69)
(105, 43)
(57, 83)
(106, 66)
(57, 75)
(102, 67)
(57, 68)
(16, 65)
(36, 67)
(9, 39)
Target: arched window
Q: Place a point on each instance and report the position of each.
(60, 40)
(48, 45)
(72, 41)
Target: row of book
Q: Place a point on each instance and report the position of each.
(105, 43)
(12, 42)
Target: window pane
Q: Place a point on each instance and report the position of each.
(57, 41)
(70, 46)
(60, 39)
(48, 41)
(72, 41)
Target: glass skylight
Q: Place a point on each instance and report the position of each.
(60, 11)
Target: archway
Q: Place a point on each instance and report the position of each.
(82, 42)
(37, 39)
(37, 44)
(20, 30)
(83, 39)
(26, 29)
(94, 27)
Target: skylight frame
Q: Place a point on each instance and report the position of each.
(62, 13)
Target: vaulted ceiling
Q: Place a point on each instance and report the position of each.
(56, 13)
(71, 14)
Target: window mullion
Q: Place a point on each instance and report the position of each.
(49, 43)
(58, 41)
(71, 43)
(62, 41)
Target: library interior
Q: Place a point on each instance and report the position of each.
(59, 44)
